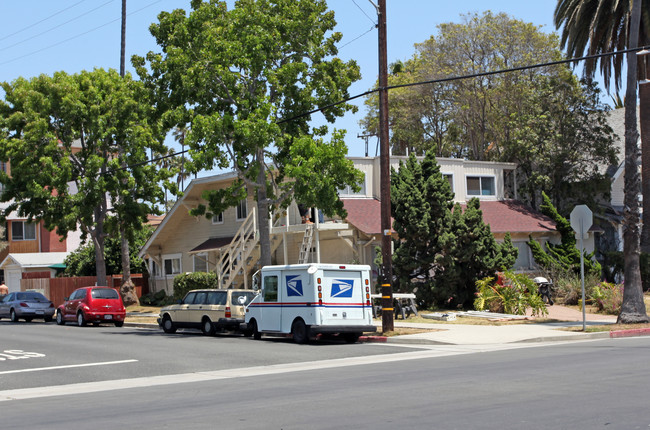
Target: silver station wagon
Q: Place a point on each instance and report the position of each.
(207, 310)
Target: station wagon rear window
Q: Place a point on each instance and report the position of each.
(236, 295)
(104, 293)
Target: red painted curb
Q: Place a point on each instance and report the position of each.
(372, 339)
(630, 332)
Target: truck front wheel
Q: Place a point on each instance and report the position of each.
(300, 331)
(254, 331)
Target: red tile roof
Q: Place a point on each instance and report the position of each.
(502, 216)
(364, 214)
(514, 217)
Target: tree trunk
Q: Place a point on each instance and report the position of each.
(633, 308)
(644, 114)
(100, 262)
(263, 215)
(127, 288)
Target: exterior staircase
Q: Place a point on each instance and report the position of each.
(305, 247)
(242, 255)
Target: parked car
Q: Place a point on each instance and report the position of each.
(27, 305)
(92, 305)
(207, 310)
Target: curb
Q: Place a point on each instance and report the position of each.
(373, 339)
(630, 332)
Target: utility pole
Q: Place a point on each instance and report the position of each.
(384, 180)
(123, 44)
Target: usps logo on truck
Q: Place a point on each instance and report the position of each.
(294, 286)
(342, 288)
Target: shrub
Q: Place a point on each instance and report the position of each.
(159, 298)
(607, 297)
(514, 295)
(193, 281)
(568, 287)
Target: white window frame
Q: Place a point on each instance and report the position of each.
(201, 258)
(480, 194)
(347, 191)
(450, 180)
(238, 210)
(217, 219)
(24, 234)
(155, 269)
(172, 257)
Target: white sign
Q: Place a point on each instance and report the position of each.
(581, 220)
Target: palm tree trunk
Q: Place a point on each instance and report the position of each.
(633, 308)
(644, 117)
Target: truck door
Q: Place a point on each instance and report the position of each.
(345, 298)
(271, 303)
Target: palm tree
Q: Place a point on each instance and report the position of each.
(600, 26)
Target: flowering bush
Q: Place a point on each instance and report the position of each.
(512, 293)
(607, 297)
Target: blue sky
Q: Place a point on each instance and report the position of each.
(44, 36)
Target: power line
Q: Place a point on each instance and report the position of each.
(358, 37)
(57, 26)
(364, 12)
(41, 21)
(458, 78)
(76, 36)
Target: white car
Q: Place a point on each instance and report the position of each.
(207, 310)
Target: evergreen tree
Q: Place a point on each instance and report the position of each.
(565, 255)
(445, 250)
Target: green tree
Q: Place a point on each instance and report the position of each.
(245, 80)
(565, 255)
(61, 134)
(599, 26)
(81, 262)
(545, 120)
(445, 248)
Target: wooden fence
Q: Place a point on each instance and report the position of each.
(57, 289)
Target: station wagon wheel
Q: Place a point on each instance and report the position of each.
(167, 325)
(81, 321)
(207, 327)
(299, 331)
(59, 318)
(12, 316)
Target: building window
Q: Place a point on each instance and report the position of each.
(450, 179)
(201, 262)
(172, 264)
(242, 210)
(22, 230)
(347, 190)
(217, 219)
(155, 269)
(480, 186)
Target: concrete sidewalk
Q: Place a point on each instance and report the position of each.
(468, 334)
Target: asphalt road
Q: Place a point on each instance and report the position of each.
(192, 381)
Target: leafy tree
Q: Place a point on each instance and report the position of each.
(599, 26)
(81, 262)
(243, 81)
(61, 134)
(548, 122)
(445, 248)
(565, 255)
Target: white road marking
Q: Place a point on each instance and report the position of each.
(38, 369)
(151, 381)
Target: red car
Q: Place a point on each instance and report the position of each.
(92, 305)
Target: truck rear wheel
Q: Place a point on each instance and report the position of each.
(299, 331)
(351, 337)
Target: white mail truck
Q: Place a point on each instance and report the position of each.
(305, 300)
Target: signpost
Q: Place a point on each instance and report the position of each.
(581, 221)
